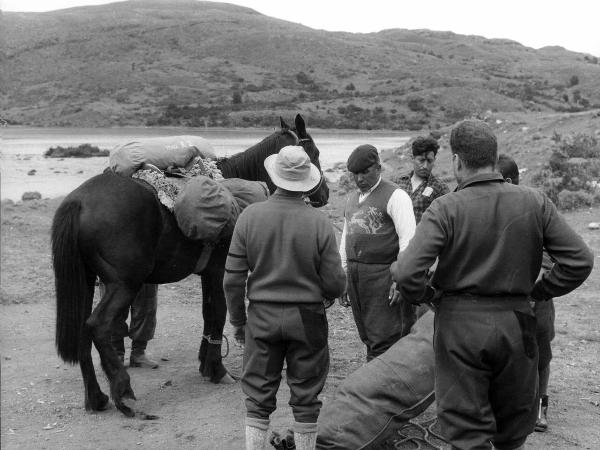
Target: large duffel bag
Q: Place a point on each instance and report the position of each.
(383, 394)
(207, 210)
(161, 152)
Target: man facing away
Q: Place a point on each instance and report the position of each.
(421, 184)
(378, 223)
(489, 236)
(284, 257)
(544, 312)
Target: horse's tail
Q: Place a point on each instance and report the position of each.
(70, 281)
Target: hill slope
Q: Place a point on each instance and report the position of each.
(203, 63)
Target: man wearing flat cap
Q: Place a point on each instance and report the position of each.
(488, 236)
(284, 258)
(421, 184)
(378, 223)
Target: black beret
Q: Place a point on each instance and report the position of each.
(362, 157)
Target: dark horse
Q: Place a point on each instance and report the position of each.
(115, 228)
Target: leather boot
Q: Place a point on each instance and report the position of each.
(138, 356)
(256, 433)
(541, 423)
(305, 436)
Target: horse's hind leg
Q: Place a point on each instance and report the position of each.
(214, 312)
(95, 399)
(116, 298)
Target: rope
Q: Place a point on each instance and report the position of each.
(419, 436)
(210, 340)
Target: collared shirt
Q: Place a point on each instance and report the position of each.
(398, 208)
(426, 192)
(489, 236)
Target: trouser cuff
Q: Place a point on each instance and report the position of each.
(304, 427)
(261, 424)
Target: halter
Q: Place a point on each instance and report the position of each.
(318, 186)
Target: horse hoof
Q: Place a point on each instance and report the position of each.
(98, 403)
(102, 402)
(127, 407)
(227, 379)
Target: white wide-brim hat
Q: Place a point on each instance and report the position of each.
(291, 169)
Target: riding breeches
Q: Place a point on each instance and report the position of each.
(297, 334)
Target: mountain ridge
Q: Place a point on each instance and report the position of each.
(217, 64)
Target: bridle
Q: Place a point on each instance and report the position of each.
(300, 142)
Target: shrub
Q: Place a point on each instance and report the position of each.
(81, 151)
(570, 177)
(574, 199)
(574, 80)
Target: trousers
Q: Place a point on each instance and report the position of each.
(294, 333)
(486, 377)
(379, 324)
(143, 315)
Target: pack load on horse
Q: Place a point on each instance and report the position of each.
(115, 228)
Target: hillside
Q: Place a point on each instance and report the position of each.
(216, 64)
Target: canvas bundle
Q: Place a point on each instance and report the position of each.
(207, 210)
(161, 152)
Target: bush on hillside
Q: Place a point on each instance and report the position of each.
(571, 176)
(81, 151)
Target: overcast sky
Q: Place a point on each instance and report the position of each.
(573, 24)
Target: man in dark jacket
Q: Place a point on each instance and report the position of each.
(284, 257)
(489, 236)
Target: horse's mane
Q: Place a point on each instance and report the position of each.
(249, 163)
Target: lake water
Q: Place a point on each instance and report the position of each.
(22, 149)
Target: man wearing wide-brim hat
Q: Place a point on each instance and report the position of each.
(378, 223)
(284, 258)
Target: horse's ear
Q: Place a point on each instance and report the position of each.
(300, 125)
(282, 124)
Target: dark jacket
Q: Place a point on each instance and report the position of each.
(489, 237)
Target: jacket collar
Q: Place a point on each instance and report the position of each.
(480, 178)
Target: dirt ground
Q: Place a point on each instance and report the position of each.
(42, 397)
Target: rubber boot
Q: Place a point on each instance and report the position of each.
(305, 435)
(138, 356)
(256, 433)
(119, 346)
(541, 423)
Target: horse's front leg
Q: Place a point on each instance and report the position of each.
(214, 313)
(115, 299)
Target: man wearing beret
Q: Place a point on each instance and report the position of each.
(488, 236)
(420, 184)
(378, 223)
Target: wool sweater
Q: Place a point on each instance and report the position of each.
(281, 251)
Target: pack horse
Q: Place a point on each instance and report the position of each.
(115, 228)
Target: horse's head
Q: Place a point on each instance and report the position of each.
(319, 196)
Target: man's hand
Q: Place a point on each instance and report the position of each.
(344, 301)
(239, 335)
(394, 295)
